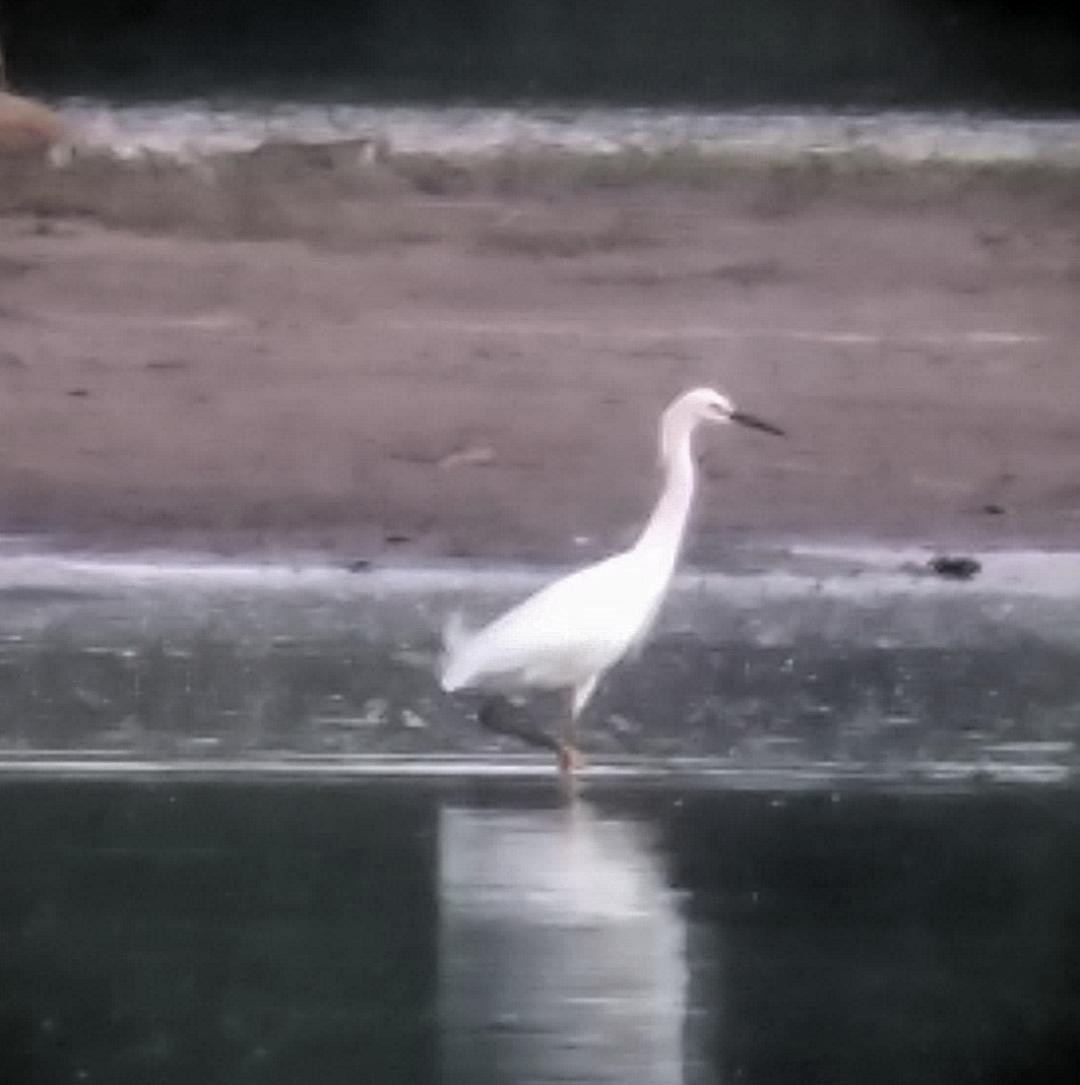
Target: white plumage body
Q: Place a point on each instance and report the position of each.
(565, 634)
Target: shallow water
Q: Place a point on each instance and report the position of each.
(826, 662)
(490, 932)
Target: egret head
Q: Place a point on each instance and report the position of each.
(706, 405)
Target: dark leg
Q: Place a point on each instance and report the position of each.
(497, 714)
(570, 760)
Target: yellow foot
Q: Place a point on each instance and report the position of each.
(570, 759)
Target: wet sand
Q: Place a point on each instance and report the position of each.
(480, 377)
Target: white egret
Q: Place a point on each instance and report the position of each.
(571, 631)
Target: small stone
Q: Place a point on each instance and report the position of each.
(373, 713)
(955, 567)
(473, 456)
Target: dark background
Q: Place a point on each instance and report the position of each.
(1020, 55)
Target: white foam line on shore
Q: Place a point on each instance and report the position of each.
(702, 772)
(190, 128)
(970, 339)
(790, 571)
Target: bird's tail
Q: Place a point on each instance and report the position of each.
(455, 636)
(455, 632)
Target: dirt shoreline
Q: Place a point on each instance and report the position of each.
(480, 377)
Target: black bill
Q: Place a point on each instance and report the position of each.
(754, 422)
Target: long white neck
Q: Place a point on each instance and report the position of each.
(664, 532)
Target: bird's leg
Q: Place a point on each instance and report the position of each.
(496, 714)
(570, 759)
(568, 755)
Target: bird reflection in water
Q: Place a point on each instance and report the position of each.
(562, 950)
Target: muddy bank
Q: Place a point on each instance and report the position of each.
(250, 169)
(480, 376)
(313, 174)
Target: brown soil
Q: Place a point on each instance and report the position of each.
(26, 126)
(482, 377)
